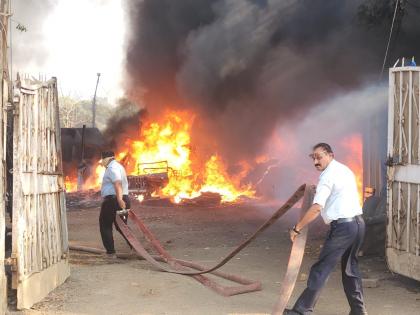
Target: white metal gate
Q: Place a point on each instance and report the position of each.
(403, 172)
(40, 242)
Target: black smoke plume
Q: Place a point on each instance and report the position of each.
(124, 124)
(247, 66)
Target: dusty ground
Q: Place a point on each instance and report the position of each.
(97, 286)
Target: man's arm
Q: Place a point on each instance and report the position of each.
(119, 193)
(310, 215)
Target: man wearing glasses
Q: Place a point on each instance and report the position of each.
(337, 201)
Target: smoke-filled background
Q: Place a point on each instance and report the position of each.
(262, 76)
(302, 71)
(250, 65)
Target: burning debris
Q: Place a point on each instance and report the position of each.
(148, 183)
(161, 161)
(83, 199)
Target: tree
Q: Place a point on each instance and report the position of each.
(74, 113)
(68, 111)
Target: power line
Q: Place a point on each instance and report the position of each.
(389, 38)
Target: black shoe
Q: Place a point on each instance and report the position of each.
(290, 312)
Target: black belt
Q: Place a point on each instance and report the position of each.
(343, 220)
(113, 196)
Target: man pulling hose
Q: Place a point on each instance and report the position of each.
(337, 201)
(114, 192)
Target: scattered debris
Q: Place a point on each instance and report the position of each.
(209, 199)
(83, 199)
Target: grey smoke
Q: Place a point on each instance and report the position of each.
(249, 66)
(331, 121)
(28, 47)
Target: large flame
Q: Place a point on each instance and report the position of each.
(70, 184)
(165, 146)
(354, 159)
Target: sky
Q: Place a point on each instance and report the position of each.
(73, 41)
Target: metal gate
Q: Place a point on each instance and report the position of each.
(403, 172)
(40, 242)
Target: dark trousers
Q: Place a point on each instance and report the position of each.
(109, 210)
(342, 243)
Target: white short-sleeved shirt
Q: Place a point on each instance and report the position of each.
(114, 171)
(337, 193)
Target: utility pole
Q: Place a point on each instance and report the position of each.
(94, 103)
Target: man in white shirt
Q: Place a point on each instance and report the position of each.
(114, 192)
(337, 201)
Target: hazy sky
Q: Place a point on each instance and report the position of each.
(72, 40)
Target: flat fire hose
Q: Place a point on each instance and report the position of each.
(295, 259)
(142, 251)
(178, 266)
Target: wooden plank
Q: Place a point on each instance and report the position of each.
(400, 114)
(18, 162)
(417, 227)
(390, 149)
(404, 69)
(3, 280)
(406, 173)
(38, 285)
(403, 263)
(414, 199)
(59, 165)
(410, 111)
(4, 96)
(417, 97)
(39, 184)
(42, 233)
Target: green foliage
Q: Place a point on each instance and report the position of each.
(74, 113)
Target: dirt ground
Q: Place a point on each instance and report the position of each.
(205, 235)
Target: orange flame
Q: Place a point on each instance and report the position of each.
(166, 147)
(70, 184)
(354, 159)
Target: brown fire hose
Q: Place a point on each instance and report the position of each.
(142, 251)
(295, 259)
(179, 266)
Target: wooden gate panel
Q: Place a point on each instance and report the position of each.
(40, 242)
(403, 172)
(3, 102)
